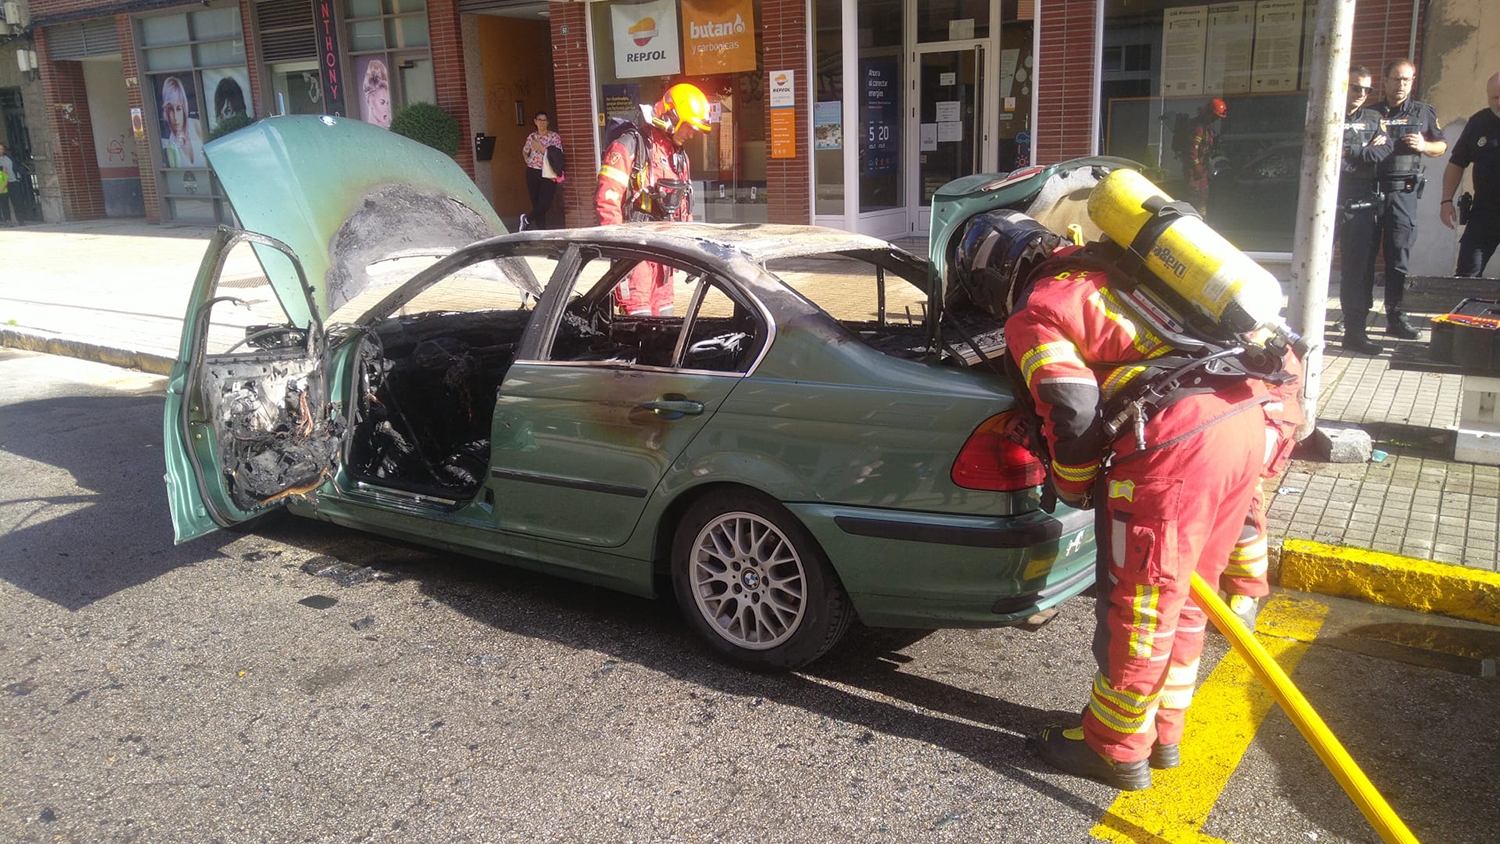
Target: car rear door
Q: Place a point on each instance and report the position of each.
(248, 420)
(586, 431)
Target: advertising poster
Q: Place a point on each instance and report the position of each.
(718, 36)
(1231, 32)
(1278, 45)
(180, 125)
(828, 125)
(1184, 35)
(374, 91)
(621, 100)
(881, 141)
(645, 39)
(227, 93)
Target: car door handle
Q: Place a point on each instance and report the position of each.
(674, 407)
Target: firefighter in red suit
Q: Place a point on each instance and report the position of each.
(659, 190)
(1203, 139)
(1163, 511)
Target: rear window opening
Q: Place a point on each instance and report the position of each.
(881, 297)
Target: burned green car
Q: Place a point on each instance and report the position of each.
(804, 441)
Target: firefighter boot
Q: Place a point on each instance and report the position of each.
(1066, 751)
(1355, 338)
(1398, 326)
(1164, 756)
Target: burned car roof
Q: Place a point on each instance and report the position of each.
(760, 242)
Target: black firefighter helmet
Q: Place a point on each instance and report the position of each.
(995, 258)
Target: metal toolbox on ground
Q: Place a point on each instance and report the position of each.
(1469, 335)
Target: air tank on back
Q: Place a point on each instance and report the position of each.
(1199, 269)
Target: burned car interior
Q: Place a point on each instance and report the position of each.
(427, 376)
(723, 332)
(426, 395)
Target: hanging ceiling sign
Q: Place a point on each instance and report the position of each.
(718, 36)
(645, 36)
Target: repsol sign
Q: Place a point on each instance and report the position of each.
(646, 56)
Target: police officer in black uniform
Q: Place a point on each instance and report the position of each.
(1360, 204)
(1414, 132)
(1478, 144)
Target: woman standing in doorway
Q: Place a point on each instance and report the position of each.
(541, 176)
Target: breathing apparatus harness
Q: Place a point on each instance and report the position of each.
(1205, 356)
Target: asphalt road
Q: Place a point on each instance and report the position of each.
(223, 691)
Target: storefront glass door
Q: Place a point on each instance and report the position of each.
(950, 121)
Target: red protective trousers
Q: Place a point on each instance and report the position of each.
(1163, 515)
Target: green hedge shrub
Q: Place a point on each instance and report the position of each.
(233, 123)
(428, 124)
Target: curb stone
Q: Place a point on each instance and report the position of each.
(31, 341)
(1391, 580)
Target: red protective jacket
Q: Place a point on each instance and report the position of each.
(648, 288)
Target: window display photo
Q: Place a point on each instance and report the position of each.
(228, 92)
(375, 90)
(180, 125)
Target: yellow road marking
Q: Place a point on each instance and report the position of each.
(1227, 710)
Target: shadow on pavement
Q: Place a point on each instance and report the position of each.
(77, 548)
(651, 634)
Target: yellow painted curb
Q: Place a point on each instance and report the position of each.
(1392, 580)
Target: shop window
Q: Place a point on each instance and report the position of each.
(641, 49)
(880, 113)
(1163, 63)
(197, 78)
(953, 20)
(297, 88)
(1017, 80)
(387, 77)
(828, 107)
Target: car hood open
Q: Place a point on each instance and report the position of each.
(345, 196)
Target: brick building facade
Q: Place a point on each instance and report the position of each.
(1067, 91)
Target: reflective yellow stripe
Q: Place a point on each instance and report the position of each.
(1142, 337)
(1144, 618)
(1077, 474)
(1107, 703)
(1251, 569)
(1119, 378)
(614, 175)
(1048, 353)
(1123, 699)
(1250, 551)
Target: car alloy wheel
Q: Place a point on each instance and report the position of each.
(748, 581)
(755, 584)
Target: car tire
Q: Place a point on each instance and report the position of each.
(755, 585)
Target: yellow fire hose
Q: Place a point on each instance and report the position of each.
(1335, 758)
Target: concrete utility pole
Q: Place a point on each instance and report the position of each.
(1317, 199)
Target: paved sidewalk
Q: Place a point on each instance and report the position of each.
(116, 291)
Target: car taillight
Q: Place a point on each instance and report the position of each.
(996, 457)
